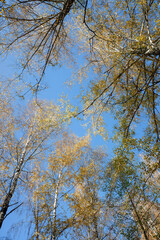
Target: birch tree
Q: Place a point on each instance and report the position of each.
(121, 42)
(124, 54)
(49, 188)
(24, 137)
(39, 29)
(91, 216)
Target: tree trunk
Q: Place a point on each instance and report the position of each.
(7, 199)
(53, 234)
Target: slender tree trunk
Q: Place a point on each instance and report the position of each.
(95, 231)
(9, 195)
(95, 218)
(36, 220)
(53, 234)
(138, 218)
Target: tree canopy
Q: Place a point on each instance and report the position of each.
(113, 197)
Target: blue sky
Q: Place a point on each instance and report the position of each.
(55, 79)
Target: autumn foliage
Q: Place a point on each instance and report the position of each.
(72, 190)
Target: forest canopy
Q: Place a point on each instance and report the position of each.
(74, 191)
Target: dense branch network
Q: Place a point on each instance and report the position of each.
(122, 42)
(39, 24)
(126, 51)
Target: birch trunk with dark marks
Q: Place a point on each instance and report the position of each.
(13, 185)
